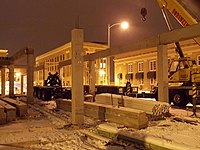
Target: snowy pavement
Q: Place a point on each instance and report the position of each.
(48, 128)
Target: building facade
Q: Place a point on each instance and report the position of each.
(51, 61)
(140, 67)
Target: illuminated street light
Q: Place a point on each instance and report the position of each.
(124, 25)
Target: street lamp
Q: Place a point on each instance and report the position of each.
(124, 25)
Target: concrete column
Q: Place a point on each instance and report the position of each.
(45, 73)
(30, 70)
(108, 70)
(146, 81)
(61, 75)
(162, 73)
(92, 77)
(97, 73)
(11, 80)
(22, 83)
(135, 70)
(77, 77)
(3, 80)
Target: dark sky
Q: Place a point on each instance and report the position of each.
(47, 24)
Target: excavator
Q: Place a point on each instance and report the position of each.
(184, 70)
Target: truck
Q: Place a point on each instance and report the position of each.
(183, 71)
(52, 88)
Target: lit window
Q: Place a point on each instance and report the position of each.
(152, 65)
(140, 66)
(130, 68)
(103, 63)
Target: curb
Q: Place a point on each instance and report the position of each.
(148, 142)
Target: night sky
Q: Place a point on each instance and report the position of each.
(47, 24)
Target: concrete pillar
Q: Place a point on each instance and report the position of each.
(92, 77)
(135, 70)
(108, 70)
(61, 75)
(3, 80)
(30, 70)
(45, 72)
(77, 77)
(162, 73)
(11, 80)
(97, 73)
(22, 83)
(146, 81)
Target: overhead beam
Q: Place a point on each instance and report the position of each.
(177, 35)
(161, 39)
(5, 61)
(22, 53)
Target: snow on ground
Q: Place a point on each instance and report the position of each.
(43, 131)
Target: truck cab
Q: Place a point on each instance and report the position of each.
(180, 70)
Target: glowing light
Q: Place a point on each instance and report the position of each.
(124, 25)
(101, 73)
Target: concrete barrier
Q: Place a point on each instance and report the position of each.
(9, 110)
(125, 116)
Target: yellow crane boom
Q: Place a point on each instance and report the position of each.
(179, 13)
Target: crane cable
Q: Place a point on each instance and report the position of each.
(143, 12)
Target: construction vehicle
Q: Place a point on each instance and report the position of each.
(183, 70)
(52, 88)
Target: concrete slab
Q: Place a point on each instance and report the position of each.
(21, 107)
(9, 110)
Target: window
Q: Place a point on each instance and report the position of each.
(198, 60)
(130, 68)
(152, 65)
(140, 66)
(103, 63)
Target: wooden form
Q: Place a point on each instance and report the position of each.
(21, 107)
(125, 116)
(158, 110)
(9, 110)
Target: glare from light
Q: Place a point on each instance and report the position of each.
(18, 74)
(101, 73)
(124, 25)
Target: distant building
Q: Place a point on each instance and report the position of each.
(49, 62)
(3, 53)
(138, 67)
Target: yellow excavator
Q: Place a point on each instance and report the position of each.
(183, 70)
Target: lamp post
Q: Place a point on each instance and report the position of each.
(124, 25)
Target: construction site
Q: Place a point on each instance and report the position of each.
(89, 112)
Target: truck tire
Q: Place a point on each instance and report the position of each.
(179, 98)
